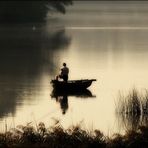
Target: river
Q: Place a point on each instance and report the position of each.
(107, 41)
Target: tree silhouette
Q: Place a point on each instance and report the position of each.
(30, 11)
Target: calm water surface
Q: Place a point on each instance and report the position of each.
(106, 41)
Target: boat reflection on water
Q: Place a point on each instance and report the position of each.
(62, 97)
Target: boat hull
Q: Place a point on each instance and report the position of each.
(72, 85)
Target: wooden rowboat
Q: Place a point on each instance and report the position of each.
(72, 84)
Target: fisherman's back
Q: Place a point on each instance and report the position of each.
(65, 70)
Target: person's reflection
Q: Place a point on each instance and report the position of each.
(62, 97)
(63, 100)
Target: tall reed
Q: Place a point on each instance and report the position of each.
(133, 108)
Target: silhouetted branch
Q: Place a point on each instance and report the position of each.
(30, 11)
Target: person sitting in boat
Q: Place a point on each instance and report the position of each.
(64, 72)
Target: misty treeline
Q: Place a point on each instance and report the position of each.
(26, 11)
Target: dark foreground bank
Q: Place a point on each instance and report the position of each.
(74, 137)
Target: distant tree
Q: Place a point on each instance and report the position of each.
(58, 5)
(22, 11)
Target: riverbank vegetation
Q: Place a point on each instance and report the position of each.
(75, 136)
(132, 109)
(135, 103)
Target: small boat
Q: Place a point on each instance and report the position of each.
(72, 84)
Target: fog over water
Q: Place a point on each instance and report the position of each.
(107, 41)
